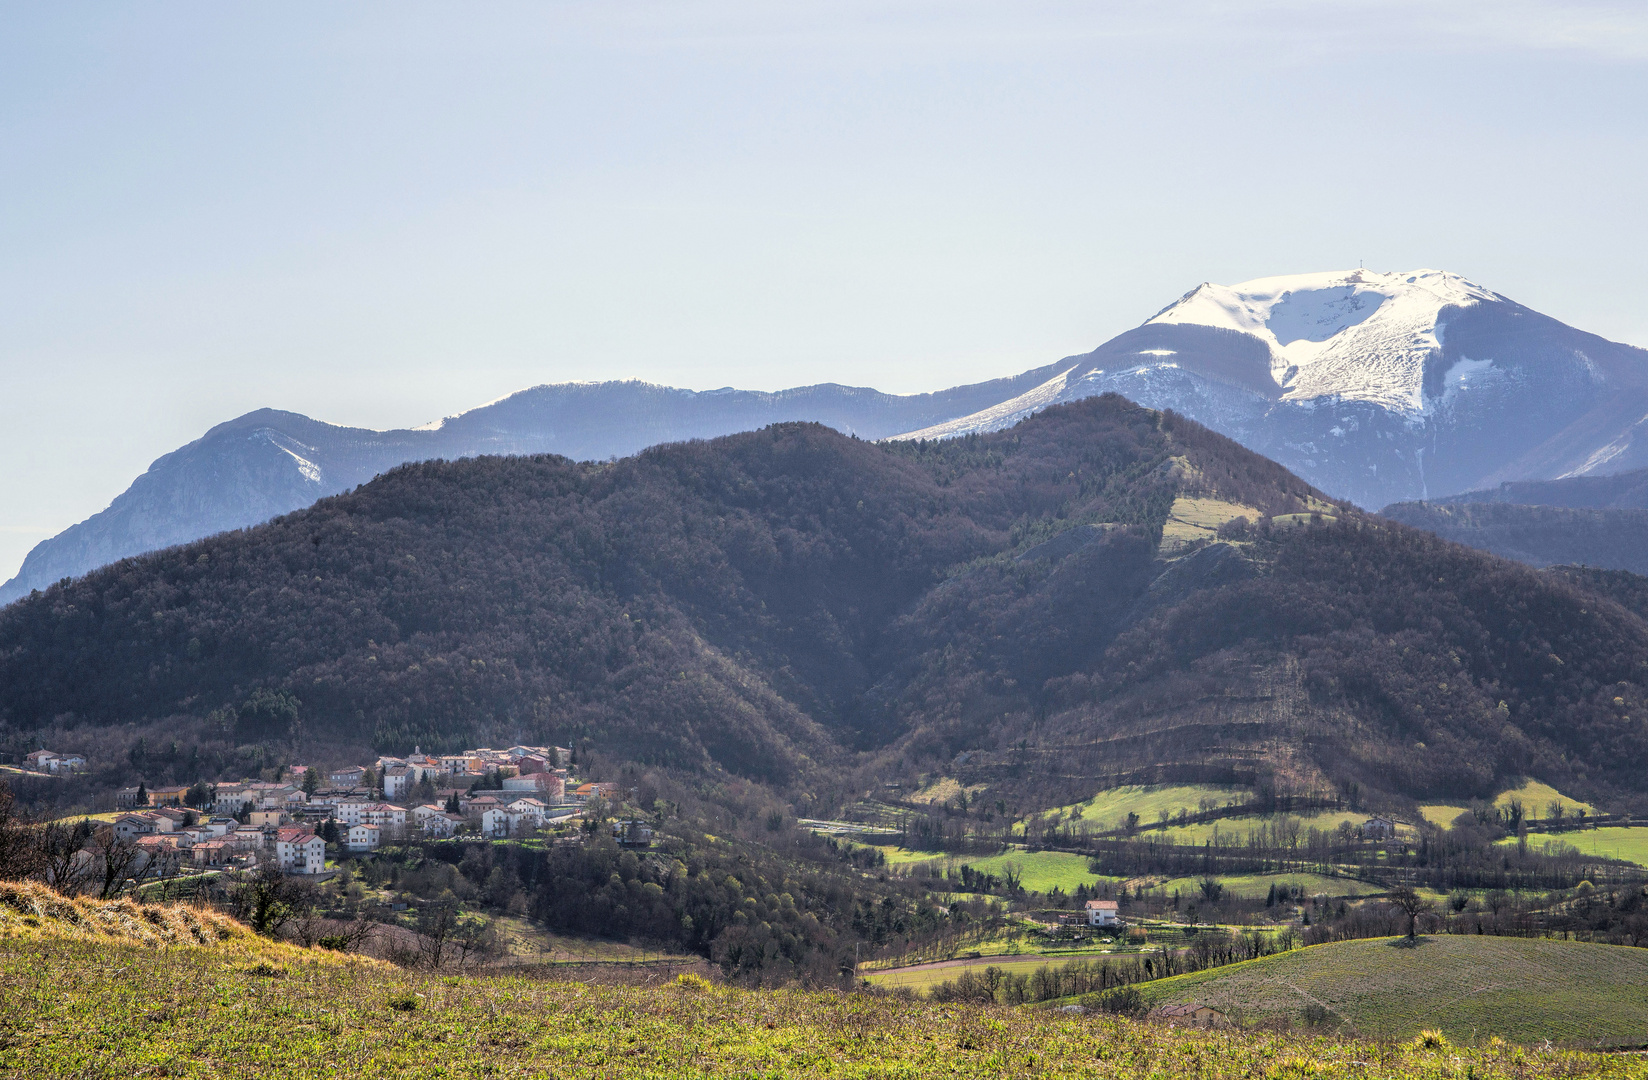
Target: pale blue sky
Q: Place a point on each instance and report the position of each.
(378, 214)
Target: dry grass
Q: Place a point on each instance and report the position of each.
(1193, 519)
(80, 1007)
(34, 910)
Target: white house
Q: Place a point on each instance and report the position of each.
(427, 810)
(364, 837)
(508, 821)
(441, 825)
(386, 816)
(350, 811)
(41, 761)
(299, 851)
(397, 781)
(1103, 913)
(132, 826)
(1379, 828)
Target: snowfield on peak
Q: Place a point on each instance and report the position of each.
(1356, 335)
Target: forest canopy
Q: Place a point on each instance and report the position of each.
(792, 603)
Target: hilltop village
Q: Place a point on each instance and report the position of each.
(302, 820)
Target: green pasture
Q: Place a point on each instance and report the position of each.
(1471, 988)
(1109, 809)
(1442, 815)
(1630, 844)
(1535, 797)
(1040, 870)
(1257, 886)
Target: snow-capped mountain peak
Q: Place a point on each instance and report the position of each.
(1356, 335)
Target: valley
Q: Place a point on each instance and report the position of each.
(894, 717)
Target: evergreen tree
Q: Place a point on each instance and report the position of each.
(311, 780)
(142, 794)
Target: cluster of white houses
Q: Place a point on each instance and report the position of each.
(45, 761)
(250, 822)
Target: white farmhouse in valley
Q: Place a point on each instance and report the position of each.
(1103, 913)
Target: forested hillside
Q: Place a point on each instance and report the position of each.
(1615, 538)
(1099, 590)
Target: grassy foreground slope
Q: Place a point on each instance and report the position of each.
(75, 1008)
(80, 995)
(1523, 989)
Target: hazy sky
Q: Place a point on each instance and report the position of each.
(378, 214)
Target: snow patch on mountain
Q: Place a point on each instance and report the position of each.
(1356, 335)
(1000, 416)
(306, 468)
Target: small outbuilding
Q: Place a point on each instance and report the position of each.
(1189, 1015)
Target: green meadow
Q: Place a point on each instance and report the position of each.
(1471, 988)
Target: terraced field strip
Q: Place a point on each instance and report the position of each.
(1240, 827)
(1258, 885)
(1522, 989)
(921, 977)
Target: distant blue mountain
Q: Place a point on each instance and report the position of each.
(1375, 387)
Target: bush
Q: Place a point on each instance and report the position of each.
(688, 981)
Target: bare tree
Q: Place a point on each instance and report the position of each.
(437, 925)
(1412, 905)
(475, 942)
(353, 937)
(114, 860)
(19, 841)
(66, 862)
(268, 899)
